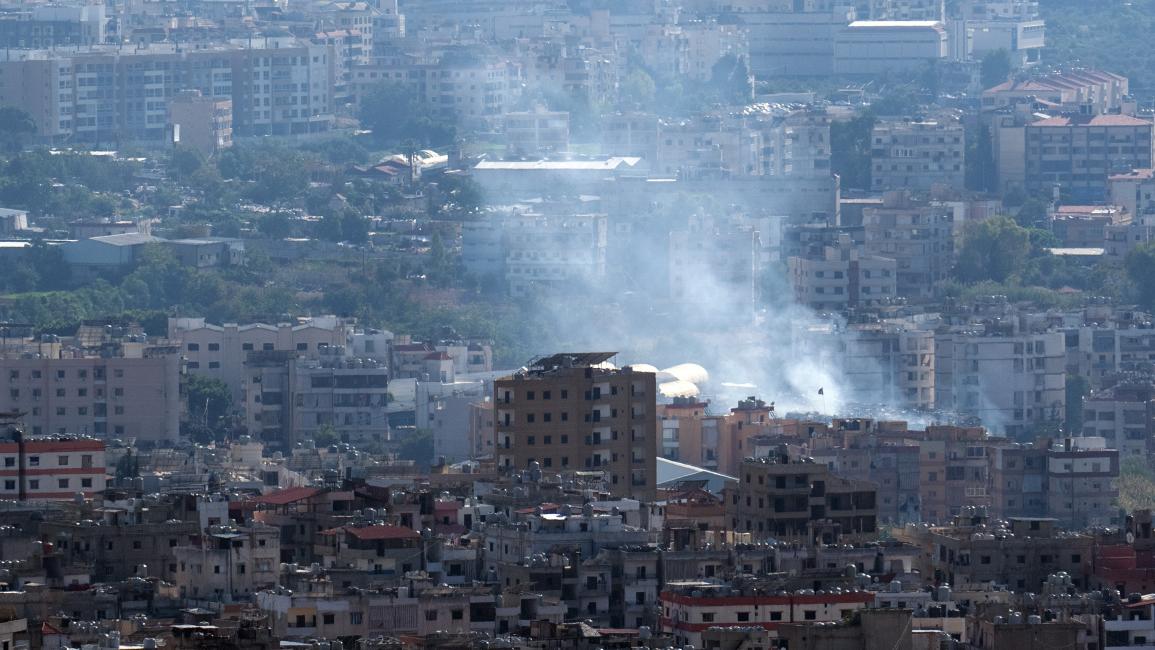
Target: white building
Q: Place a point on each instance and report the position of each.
(530, 252)
(843, 278)
(872, 47)
(1012, 383)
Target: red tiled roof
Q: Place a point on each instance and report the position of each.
(287, 496)
(545, 507)
(47, 629)
(382, 532)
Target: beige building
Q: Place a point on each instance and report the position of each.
(220, 351)
(228, 564)
(537, 132)
(201, 123)
(843, 278)
(567, 414)
(1079, 152)
(919, 237)
(119, 397)
(917, 155)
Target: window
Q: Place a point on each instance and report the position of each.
(810, 614)
(34, 461)
(267, 347)
(301, 347)
(62, 461)
(329, 619)
(707, 617)
(9, 461)
(214, 347)
(34, 484)
(355, 618)
(194, 347)
(431, 614)
(743, 617)
(137, 545)
(246, 346)
(85, 482)
(62, 483)
(9, 485)
(457, 614)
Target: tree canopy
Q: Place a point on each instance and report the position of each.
(993, 250)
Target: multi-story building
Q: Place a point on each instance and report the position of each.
(910, 155)
(1092, 91)
(227, 563)
(1123, 415)
(1013, 383)
(689, 609)
(984, 26)
(1081, 480)
(689, 434)
(1085, 226)
(1020, 555)
(202, 123)
(783, 499)
(795, 143)
(47, 26)
(886, 364)
(220, 351)
(1100, 354)
(51, 469)
(907, 10)
(1079, 152)
(843, 278)
(566, 414)
(289, 399)
(135, 397)
(279, 86)
(919, 237)
(708, 146)
(533, 251)
(537, 132)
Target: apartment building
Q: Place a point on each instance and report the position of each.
(529, 251)
(52, 468)
(689, 434)
(1080, 152)
(1012, 382)
(566, 413)
(691, 608)
(537, 132)
(795, 142)
(1092, 91)
(917, 155)
(220, 351)
(288, 399)
(707, 146)
(908, 10)
(1085, 226)
(890, 365)
(1100, 354)
(1082, 475)
(277, 86)
(778, 498)
(843, 278)
(919, 237)
(980, 27)
(227, 563)
(1123, 415)
(202, 123)
(127, 397)
(46, 26)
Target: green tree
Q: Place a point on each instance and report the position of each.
(1140, 267)
(850, 150)
(996, 68)
(731, 79)
(993, 249)
(392, 112)
(16, 126)
(637, 90)
(210, 404)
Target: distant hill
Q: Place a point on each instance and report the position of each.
(1114, 35)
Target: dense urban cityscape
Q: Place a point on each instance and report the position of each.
(577, 324)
